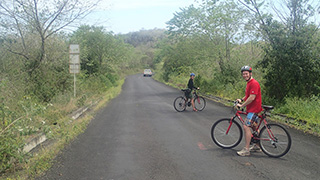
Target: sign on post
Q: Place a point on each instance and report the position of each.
(74, 49)
(74, 62)
(74, 58)
(74, 68)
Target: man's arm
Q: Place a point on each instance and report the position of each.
(240, 100)
(251, 98)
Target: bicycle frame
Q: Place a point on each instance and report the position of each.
(273, 139)
(196, 97)
(194, 92)
(255, 132)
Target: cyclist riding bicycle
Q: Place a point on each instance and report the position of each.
(191, 87)
(252, 101)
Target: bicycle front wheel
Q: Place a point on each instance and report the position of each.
(226, 133)
(275, 141)
(199, 103)
(179, 104)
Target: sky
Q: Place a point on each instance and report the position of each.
(124, 16)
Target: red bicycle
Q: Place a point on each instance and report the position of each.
(274, 139)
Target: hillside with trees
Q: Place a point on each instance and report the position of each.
(36, 87)
(212, 39)
(146, 44)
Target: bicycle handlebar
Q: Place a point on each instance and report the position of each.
(189, 89)
(235, 105)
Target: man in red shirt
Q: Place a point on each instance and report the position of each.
(252, 100)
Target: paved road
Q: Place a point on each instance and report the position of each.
(139, 136)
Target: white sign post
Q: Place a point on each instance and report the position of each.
(74, 63)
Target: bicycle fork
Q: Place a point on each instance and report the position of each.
(198, 99)
(231, 120)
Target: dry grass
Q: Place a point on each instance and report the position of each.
(61, 134)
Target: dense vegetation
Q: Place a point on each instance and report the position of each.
(212, 39)
(33, 99)
(216, 38)
(36, 88)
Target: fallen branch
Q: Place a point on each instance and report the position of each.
(9, 125)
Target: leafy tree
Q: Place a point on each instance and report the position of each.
(290, 63)
(147, 38)
(26, 26)
(224, 21)
(28, 29)
(101, 51)
(92, 41)
(145, 43)
(214, 28)
(185, 23)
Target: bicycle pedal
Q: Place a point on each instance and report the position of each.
(254, 140)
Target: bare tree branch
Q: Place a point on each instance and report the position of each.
(247, 6)
(257, 12)
(43, 18)
(279, 13)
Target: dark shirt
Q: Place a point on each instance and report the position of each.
(190, 84)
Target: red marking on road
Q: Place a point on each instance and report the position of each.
(201, 146)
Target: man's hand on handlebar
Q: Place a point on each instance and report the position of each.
(239, 103)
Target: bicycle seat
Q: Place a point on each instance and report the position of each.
(267, 108)
(184, 90)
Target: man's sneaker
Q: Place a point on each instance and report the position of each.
(244, 152)
(255, 148)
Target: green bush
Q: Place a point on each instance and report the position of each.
(113, 78)
(96, 83)
(46, 82)
(10, 150)
(105, 82)
(82, 100)
(302, 109)
(11, 142)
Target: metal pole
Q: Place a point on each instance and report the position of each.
(74, 84)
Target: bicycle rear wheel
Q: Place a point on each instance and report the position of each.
(275, 141)
(179, 104)
(199, 103)
(225, 139)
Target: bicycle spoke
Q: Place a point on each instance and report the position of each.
(280, 144)
(179, 104)
(222, 138)
(199, 103)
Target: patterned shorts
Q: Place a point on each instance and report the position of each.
(251, 118)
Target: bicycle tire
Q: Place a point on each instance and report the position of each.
(223, 140)
(199, 103)
(280, 146)
(179, 104)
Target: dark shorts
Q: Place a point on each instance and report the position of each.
(190, 95)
